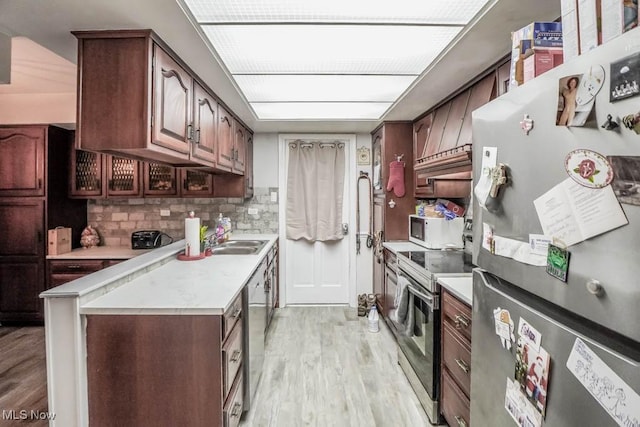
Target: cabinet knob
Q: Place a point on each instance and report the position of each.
(463, 365)
(461, 422)
(461, 321)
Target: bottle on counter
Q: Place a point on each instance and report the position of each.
(373, 319)
(220, 229)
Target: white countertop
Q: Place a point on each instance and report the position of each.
(461, 287)
(206, 286)
(396, 247)
(101, 252)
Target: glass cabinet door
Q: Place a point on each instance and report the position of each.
(159, 180)
(123, 177)
(196, 183)
(86, 175)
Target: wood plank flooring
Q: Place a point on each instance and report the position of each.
(23, 375)
(323, 368)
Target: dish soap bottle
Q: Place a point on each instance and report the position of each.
(373, 319)
(220, 229)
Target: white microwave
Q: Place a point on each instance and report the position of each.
(436, 233)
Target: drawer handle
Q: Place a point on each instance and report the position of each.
(463, 365)
(237, 410)
(73, 267)
(235, 356)
(461, 422)
(461, 321)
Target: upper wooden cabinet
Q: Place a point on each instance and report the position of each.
(137, 99)
(240, 148)
(86, 179)
(159, 180)
(22, 158)
(231, 185)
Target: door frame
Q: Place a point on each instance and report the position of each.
(349, 199)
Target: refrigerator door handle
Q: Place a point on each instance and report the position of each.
(563, 327)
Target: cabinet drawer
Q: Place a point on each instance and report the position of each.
(231, 316)
(232, 356)
(456, 356)
(61, 279)
(76, 267)
(456, 314)
(455, 405)
(233, 408)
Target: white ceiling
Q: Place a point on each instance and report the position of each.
(49, 24)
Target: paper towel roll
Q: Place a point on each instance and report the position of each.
(192, 237)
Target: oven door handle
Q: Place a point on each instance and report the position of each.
(429, 299)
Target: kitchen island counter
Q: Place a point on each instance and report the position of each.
(101, 252)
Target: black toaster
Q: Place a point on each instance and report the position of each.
(146, 239)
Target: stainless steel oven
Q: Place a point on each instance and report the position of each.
(419, 344)
(419, 351)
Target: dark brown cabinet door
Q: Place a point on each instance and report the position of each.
(240, 148)
(226, 136)
(248, 170)
(437, 129)
(159, 180)
(22, 157)
(22, 249)
(421, 130)
(86, 180)
(171, 103)
(123, 177)
(196, 183)
(205, 121)
(376, 144)
(378, 259)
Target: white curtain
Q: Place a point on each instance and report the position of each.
(315, 187)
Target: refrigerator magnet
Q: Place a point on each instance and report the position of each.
(558, 262)
(504, 327)
(588, 168)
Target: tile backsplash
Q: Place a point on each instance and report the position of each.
(116, 219)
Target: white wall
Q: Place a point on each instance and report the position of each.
(265, 160)
(29, 108)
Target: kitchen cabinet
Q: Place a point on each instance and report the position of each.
(190, 365)
(195, 183)
(456, 360)
(390, 140)
(271, 284)
(390, 281)
(61, 271)
(230, 185)
(240, 148)
(24, 177)
(378, 262)
(137, 99)
(123, 177)
(159, 180)
(29, 206)
(86, 178)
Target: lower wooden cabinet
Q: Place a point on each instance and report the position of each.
(61, 271)
(166, 370)
(456, 361)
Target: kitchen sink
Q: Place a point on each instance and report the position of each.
(257, 244)
(230, 250)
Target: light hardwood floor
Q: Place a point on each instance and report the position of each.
(323, 368)
(23, 375)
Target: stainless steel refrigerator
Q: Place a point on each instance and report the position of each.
(598, 307)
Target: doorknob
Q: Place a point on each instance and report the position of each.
(345, 228)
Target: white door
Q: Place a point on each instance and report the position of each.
(319, 272)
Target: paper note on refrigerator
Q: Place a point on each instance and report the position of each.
(520, 409)
(611, 392)
(519, 251)
(483, 187)
(573, 213)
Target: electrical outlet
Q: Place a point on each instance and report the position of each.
(252, 211)
(165, 212)
(274, 196)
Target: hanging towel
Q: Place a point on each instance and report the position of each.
(404, 311)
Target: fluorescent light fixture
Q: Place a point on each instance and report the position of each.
(320, 110)
(349, 11)
(327, 49)
(286, 87)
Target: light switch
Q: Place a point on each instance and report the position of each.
(252, 211)
(274, 196)
(165, 212)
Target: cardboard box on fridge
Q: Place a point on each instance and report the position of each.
(539, 61)
(617, 17)
(541, 34)
(59, 241)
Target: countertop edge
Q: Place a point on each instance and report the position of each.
(464, 292)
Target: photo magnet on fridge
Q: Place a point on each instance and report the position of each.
(625, 78)
(626, 186)
(532, 373)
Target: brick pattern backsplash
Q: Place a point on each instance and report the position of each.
(116, 219)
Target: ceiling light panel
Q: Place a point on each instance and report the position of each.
(323, 11)
(327, 49)
(269, 88)
(320, 110)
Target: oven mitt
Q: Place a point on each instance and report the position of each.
(396, 178)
